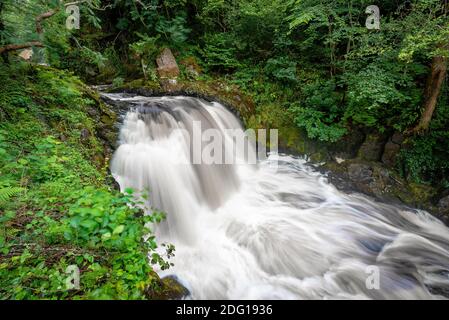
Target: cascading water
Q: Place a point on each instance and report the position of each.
(257, 232)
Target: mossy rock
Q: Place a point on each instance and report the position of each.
(168, 288)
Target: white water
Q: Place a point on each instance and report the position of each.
(246, 232)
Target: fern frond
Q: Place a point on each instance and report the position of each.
(7, 193)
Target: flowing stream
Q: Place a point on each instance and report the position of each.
(267, 232)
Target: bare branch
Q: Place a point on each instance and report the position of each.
(41, 17)
(13, 47)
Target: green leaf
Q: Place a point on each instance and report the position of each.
(106, 236)
(118, 229)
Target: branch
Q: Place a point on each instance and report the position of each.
(41, 17)
(13, 47)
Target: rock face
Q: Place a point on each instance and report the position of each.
(390, 154)
(167, 68)
(348, 146)
(392, 149)
(372, 148)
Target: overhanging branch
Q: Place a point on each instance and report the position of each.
(12, 47)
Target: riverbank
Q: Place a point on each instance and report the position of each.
(61, 219)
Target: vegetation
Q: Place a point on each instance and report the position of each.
(308, 64)
(56, 206)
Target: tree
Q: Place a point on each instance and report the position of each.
(433, 88)
(37, 11)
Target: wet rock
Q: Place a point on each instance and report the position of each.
(443, 205)
(169, 288)
(166, 65)
(360, 173)
(112, 182)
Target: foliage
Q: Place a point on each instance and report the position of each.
(56, 208)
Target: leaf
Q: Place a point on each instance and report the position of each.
(106, 236)
(89, 224)
(119, 229)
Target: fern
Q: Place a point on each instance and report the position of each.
(7, 193)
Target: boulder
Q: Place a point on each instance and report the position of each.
(167, 68)
(168, 288)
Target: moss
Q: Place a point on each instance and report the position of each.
(167, 288)
(421, 194)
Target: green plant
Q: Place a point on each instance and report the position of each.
(56, 208)
(6, 193)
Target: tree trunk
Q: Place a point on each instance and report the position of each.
(3, 55)
(432, 91)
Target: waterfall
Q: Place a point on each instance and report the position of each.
(270, 232)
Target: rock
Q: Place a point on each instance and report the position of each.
(112, 182)
(372, 148)
(360, 173)
(347, 146)
(85, 134)
(26, 54)
(443, 205)
(170, 85)
(390, 154)
(397, 138)
(339, 160)
(166, 65)
(318, 157)
(92, 112)
(170, 288)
